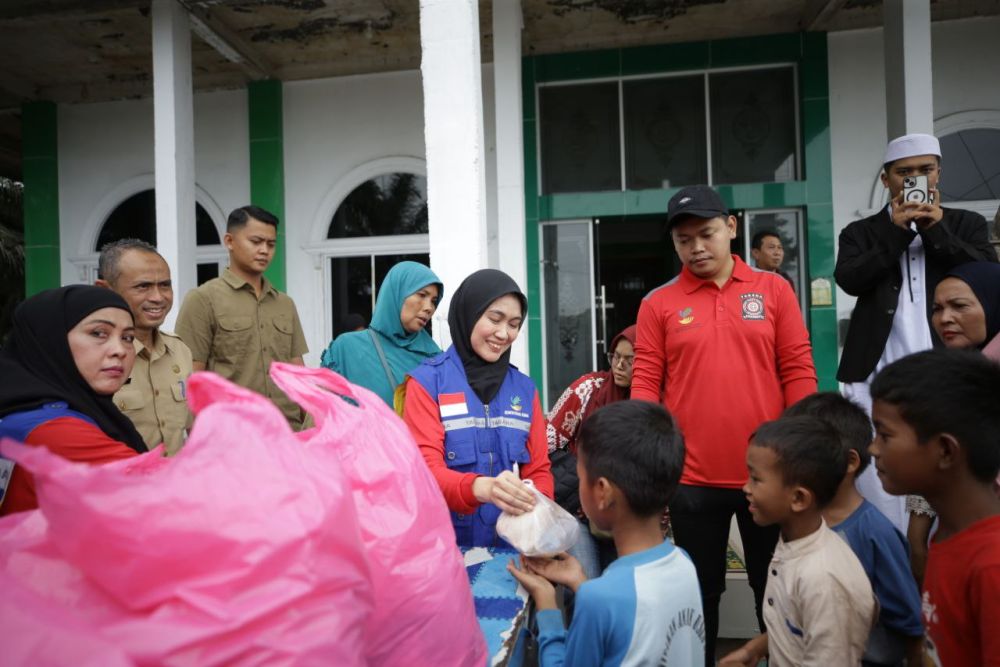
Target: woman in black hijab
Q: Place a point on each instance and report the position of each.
(475, 417)
(70, 349)
(966, 311)
(965, 315)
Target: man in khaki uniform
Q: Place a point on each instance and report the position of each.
(237, 324)
(154, 396)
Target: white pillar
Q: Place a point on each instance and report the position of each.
(909, 98)
(173, 127)
(507, 26)
(453, 137)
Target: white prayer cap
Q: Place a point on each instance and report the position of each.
(911, 145)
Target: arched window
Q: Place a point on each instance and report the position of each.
(385, 205)
(136, 218)
(381, 222)
(971, 160)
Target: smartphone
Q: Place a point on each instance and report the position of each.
(915, 190)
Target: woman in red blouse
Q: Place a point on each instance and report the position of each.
(592, 391)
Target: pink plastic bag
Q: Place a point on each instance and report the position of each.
(424, 612)
(39, 632)
(244, 549)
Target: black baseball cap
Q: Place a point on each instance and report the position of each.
(699, 201)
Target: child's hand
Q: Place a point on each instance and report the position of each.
(747, 655)
(543, 592)
(562, 569)
(738, 658)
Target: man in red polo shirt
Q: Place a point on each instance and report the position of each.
(724, 348)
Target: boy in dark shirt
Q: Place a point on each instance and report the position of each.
(936, 435)
(879, 546)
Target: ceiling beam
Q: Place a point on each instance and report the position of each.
(30, 9)
(16, 88)
(214, 32)
(95, 91)
(817, 14)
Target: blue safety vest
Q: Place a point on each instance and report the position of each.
(478, 438)
(19, 425)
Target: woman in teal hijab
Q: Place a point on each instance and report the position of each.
(379, 357)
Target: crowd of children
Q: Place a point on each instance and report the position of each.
(839, 588)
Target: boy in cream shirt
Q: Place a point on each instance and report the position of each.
(818, 605)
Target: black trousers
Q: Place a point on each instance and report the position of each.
(701, 517)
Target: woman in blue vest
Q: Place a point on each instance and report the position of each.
(474, 416)
(379, 357)
(69, 350)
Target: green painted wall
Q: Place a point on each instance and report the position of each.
(813, 193)
(267, 163)
(40, 155)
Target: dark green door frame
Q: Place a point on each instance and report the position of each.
(40, 170)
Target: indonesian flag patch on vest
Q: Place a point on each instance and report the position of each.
(452, 405)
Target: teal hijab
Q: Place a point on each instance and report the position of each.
(354, 355)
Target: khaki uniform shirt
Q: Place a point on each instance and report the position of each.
(237, 335)
(155, 396)
(818, 605)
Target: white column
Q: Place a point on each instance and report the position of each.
(909, 98)
(173, 124)
(507, 26)
(453, 137)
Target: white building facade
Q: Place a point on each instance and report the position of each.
(577, 241)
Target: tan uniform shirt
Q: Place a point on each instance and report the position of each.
(237, 335)
(818, 605)
(154, 397)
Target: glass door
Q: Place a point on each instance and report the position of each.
(635, 256)
(569, 305)
(786, 224)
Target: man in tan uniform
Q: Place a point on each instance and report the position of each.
(237, 324)
(154, 395)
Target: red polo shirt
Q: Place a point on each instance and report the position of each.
(722, 360)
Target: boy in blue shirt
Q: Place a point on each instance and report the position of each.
(875, 541)
(646, 607)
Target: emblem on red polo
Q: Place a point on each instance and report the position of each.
(753, 306)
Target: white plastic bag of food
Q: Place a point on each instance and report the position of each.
(544, 531)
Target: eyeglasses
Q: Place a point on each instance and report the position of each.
(625, 359)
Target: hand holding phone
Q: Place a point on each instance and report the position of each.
(916, 190)
(916, 204)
